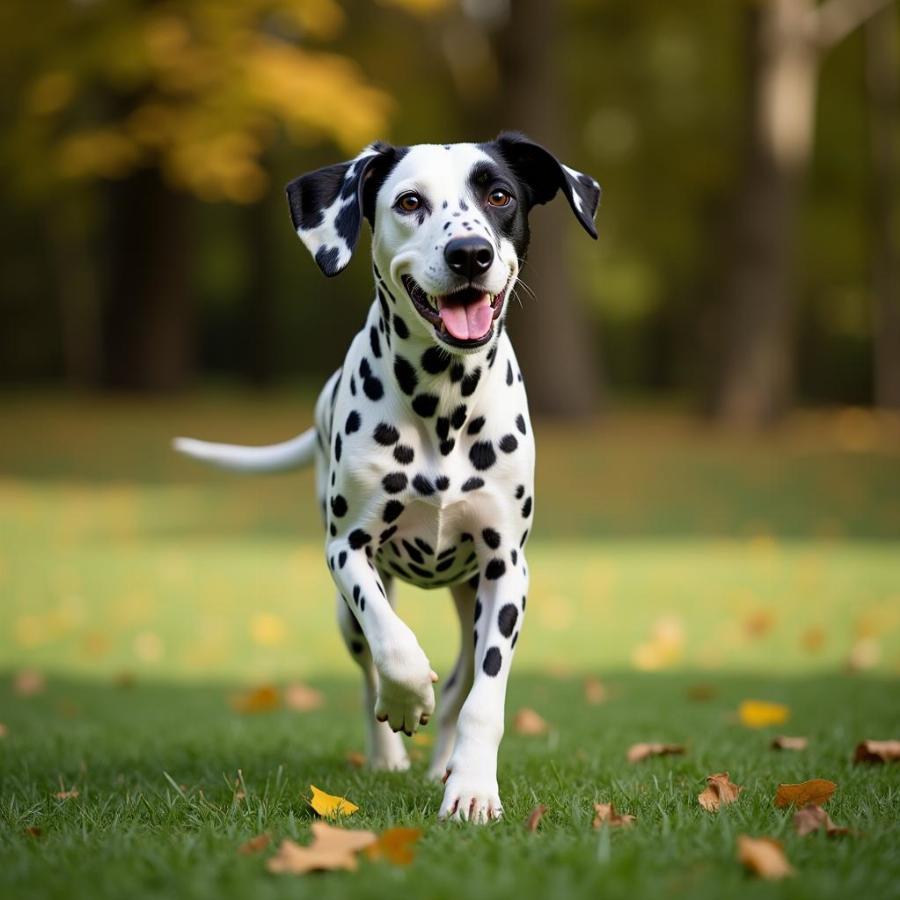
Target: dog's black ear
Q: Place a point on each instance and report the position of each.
(328, 205)
(543, 174)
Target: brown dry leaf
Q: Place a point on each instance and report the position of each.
(255, 844)
(701, 693)
(34, 831)
(595, 691)
(331, 848)
(527, 721)
(356, 759)
(813, 639)
(760, 713)
(811, 818)
(638, 752)
(763, 857)
(329, 806)
(759, 623)
(302, 698)
(264, 698)
(605, 814)
(29, 682)
(534, 819)
(395, 845)
(816, 791)
(877, 751)
(783, 742)
(4, 731)
(719, 792)
(67, 795)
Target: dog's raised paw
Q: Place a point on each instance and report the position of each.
(470, 798)
(405, 698)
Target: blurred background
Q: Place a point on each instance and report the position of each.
(716, 381)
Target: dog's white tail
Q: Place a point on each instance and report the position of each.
(292, 454)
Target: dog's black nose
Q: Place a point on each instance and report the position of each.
(469, 256)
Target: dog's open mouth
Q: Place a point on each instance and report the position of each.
(464, 318)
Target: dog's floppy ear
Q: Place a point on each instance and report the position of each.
(543, 174)
(328, 205)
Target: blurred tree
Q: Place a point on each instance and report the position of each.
(785, 42)
(883, 88)
(164, 99)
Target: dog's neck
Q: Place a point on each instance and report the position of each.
(441, 388)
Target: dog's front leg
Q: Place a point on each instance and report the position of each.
(471, 791)
(405, 693)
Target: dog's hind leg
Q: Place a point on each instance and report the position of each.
(458, 684)
(384, 748)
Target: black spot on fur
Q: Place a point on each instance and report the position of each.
(342, 559)
(373, 388)
(495, 569)
(526, 508)
(524, 538)
(472, 484)
(339, 505)
(404, 454)
(447, 446)
(392, 510)
(520, 492)
(424, 546)
(508, 443)
(356, 647)
(475, 425)
(358, 538)
(507, 618)
(413, 552)
(435, 360)
(509, 372)
(422, 573)
(405, 374)
(353, 422)
(470, 382)
(492, 661)
(394, 482)
(386, 434)
(388, 533)
(338, 445)
(442, 482)
(400, 327)
(458, 416)
(442, 427)
(491, 538)
(457, 371)
(482, 455)
(477, 610)
(445, 564)
(520, 423)
(423, 485)
(375, 342)
(514, 555)
(425, 405)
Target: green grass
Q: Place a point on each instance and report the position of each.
(772, 565)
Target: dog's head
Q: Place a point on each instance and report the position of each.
(449, 223)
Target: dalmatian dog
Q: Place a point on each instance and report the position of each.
(422, 443)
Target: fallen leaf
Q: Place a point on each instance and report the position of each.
(534, 819)
(719, 792)
(331, 848)
(258, 700)
(605, 814)
(255, 844)
(811, 818)
(29, 682)
(394, 845)
(125, 680)
(816, 791)
(421, 739)
(356, 759)
(638, 752)
(783, 742)
(527, 721)
(4, 731)
(760, 714)
(67, 795)
(664, 649)
(865, 654)
(302, 698)
(877, 751)
(763, 857)
(813, 639)
(595, 691)
(759, 623)
(34, 831)
(327, 805)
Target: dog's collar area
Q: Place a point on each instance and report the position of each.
(464, 318)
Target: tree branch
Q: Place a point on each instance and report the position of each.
(834, 20)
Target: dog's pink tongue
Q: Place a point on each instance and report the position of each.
(468, 322)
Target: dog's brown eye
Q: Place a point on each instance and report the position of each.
(499, 197)
(409, 202)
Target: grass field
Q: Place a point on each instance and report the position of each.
(666, 556)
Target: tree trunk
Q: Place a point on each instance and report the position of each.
(757, 302)
(554, 344)
(883, 89)
(149, 321)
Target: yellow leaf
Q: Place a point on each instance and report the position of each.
(395, 845)
(265, 698)
(817, 791)
(763, 857)
(328, 806)
(760, 714)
